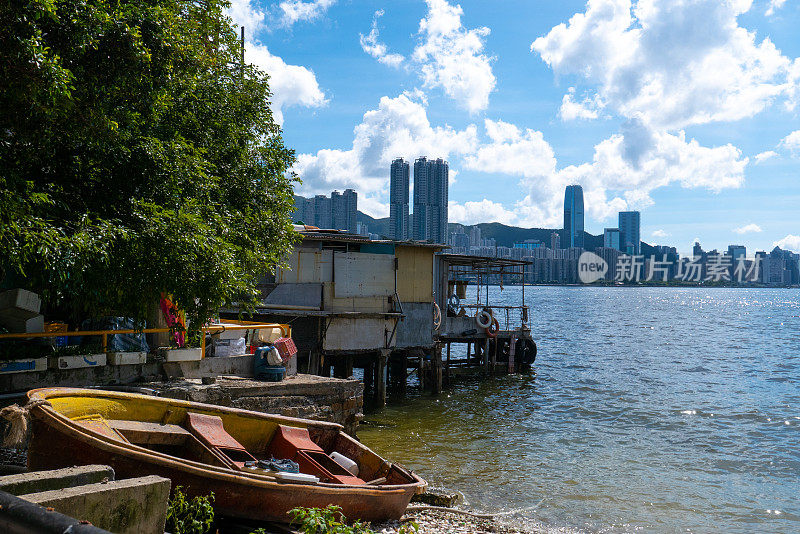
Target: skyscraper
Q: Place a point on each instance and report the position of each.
(398, 199)
(611, 238)
(430, 200)
(573, 216)
(322, 212)
(555, 241)
(350, 198)
(629, 232)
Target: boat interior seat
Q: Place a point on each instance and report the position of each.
(145, 433)
(210, 430)
(98, 423)
(295, 443)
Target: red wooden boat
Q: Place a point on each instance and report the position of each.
(207, 448)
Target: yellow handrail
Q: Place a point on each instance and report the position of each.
(286, 331)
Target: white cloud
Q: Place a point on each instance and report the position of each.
(399, 127)
(763, 156)
(588, 108)
(629, 165)
(291, 85)
(244, 13)
(303, 11)
(792, 142)
(480, 212)
(451, 57)
(790, 242)
(659, 233)
(372, 46)
(512, 151)
(625, 168)
(671, 63)
(774, 5)
(748, 229)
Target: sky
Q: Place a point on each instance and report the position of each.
(686, 110)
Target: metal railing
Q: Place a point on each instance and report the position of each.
(509, 317)
(286, 331)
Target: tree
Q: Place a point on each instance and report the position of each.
(137, 156)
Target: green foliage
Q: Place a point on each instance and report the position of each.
(193, 516)
(328, 520)
(137, 156)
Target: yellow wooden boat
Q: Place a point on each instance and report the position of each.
(207, 448)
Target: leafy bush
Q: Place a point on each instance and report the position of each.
(331, 520)
(193, 516)
(328, 520)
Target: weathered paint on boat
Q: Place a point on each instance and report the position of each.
(60, 439)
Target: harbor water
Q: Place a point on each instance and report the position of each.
(649, 409)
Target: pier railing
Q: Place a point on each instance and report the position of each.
(509, 317)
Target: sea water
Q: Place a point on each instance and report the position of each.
(648, 409)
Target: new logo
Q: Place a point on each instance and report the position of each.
(591, 267)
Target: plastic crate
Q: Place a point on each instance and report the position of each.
(286, 348)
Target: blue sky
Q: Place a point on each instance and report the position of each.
(686, 110)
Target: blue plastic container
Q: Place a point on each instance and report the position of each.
(263, 370)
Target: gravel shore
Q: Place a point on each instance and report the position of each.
(442, 522)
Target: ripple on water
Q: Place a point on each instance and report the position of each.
(681, 427)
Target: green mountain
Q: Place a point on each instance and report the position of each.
(504, 235)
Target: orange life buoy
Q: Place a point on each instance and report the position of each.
(493, 328)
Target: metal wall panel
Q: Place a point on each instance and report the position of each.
(306, 266)
(363, 275)
(357, 334)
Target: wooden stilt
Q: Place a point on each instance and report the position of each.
(437, 369)
(348, 366)
(447, 365)
(485, 355)
(380, 378)
(369, 378)
(493, 365)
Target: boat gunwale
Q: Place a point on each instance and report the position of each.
(64, 424)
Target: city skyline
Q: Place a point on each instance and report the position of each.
(520, 112)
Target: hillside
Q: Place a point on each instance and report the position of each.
(504, 235)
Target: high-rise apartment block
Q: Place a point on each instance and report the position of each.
(430, 200)
(399, 175)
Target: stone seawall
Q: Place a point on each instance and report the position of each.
(308, 396)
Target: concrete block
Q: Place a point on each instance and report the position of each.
(127, 358)
(85, 360)
(230, 366)
(182, 355)
(24, 326)
(56, 479)
(24, 365)
(131, 506)
(19, 303)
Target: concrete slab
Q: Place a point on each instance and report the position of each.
(131, 506)
(69, 477)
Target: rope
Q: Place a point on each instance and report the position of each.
(18, 419)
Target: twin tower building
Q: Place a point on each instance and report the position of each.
(429, 220)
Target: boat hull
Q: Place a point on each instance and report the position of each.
(56, 443)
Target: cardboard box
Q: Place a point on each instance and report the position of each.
(81, 361)
(19, 303)
(25, 365)
(182, 355)
(24, 326)
(127, 358)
